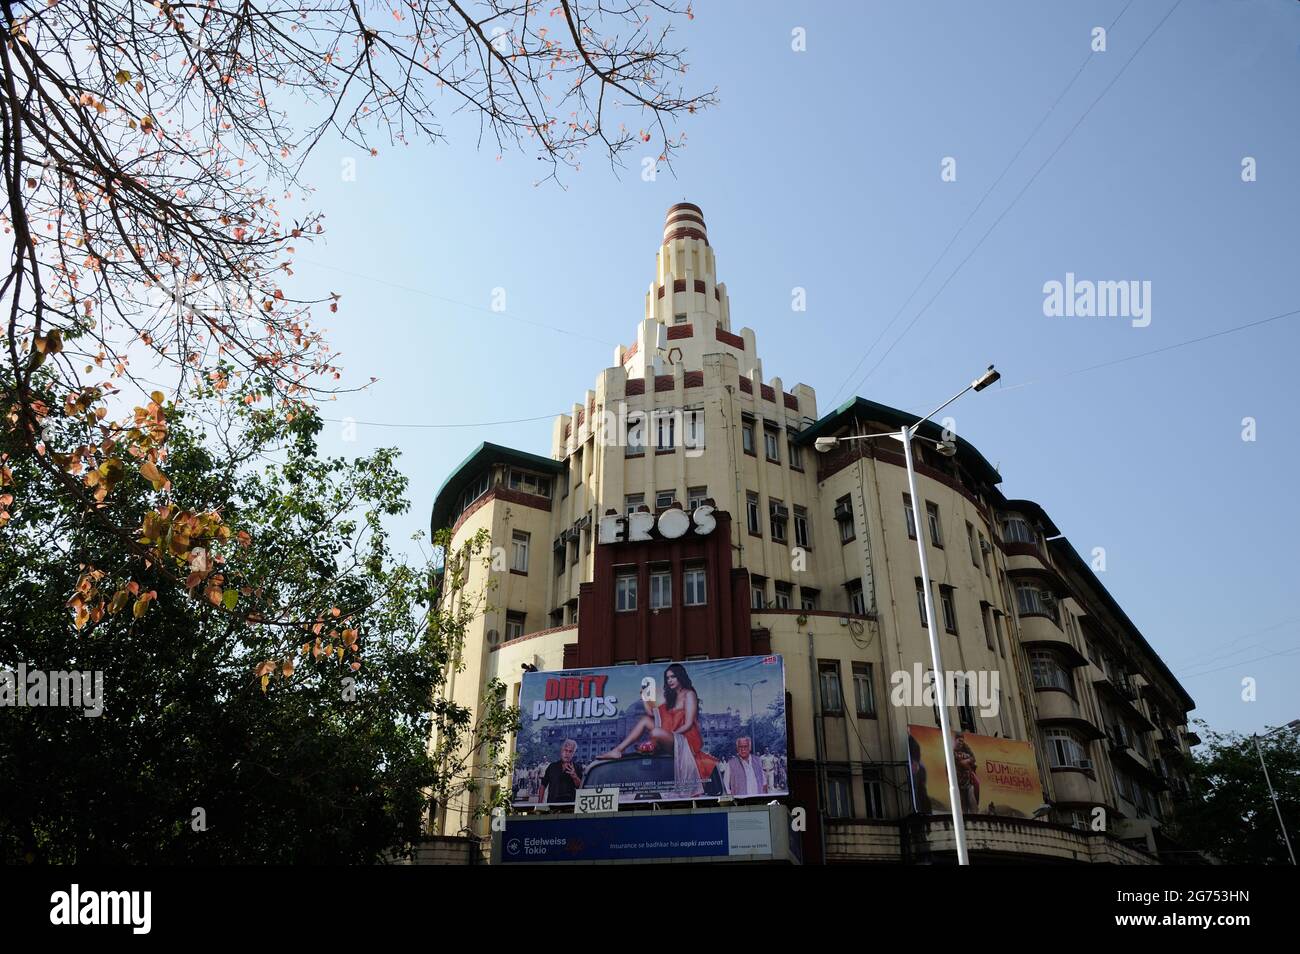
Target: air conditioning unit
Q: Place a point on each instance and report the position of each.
(843, 511)
(1047, 596)
(1085, 764)
(985, 547)
(780, 512)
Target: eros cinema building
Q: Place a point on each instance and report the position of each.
(683, 516)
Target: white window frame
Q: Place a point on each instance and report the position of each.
(864, 690)
(519, 551)
(661, 589)
(802, 537)
(695, 586)
(662, 431)
(625, 593)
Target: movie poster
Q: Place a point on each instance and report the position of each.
(657, 733)
(994, 776)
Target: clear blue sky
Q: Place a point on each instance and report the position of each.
(821, 169)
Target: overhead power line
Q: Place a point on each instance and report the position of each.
(1018, 195)
(979, 205)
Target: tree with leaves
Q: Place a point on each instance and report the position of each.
(1228, 813)
(215, 745)
(150, 151)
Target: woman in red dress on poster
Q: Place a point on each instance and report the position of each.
(678, 715)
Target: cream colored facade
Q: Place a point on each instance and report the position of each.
(835, 577)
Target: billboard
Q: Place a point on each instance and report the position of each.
(994, 776)
(661, 732)
(716, 834)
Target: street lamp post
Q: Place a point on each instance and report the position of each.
(1293, 724)
(906, 435)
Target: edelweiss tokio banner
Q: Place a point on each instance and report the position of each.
(994, 776)
(660, 732)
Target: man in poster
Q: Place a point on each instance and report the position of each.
(562, 779)
(745, 775)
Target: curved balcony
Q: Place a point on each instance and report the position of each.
(1076, 786)
(1025, 556)
(1057, 707)
(1041, 632)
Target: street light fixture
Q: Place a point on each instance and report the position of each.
(948, 448)
(1293, 724)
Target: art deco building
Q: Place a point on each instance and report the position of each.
(815, 557)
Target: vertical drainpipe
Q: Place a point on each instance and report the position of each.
(818, 725)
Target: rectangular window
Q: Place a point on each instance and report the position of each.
(747, 434)
(752, 517)
(796, 454)
(911, 517)
(808, 598)
(772, 444)
(784, 595)
(949, 603)
(679, 318)
(801, 535)
(633, 502)
(665, 499)
(519, 552)
(635, 433)
(874, 791)
(757, 593)
(661, 589)
(997, 630)
(534, 483)
(920, 601)
(864, 690)
(514, 625)
(666, 431)
(986, 619)
(625, 592)
(965, 711)
(839, 796)
(693, 425)
(844, 517)
(577, 467)
(695, 497)
(974, 550)
(932, 517)
(857, 602)
(476, 490)
(985, 549)
(694, 586)
(778, 513)
(828, 672)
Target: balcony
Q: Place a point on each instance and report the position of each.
(1056, 707)
(1025, 556)
(1122, 744)
(1116, 685)
(1076, 786)
(1040, 632)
